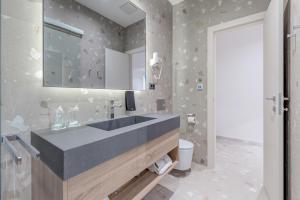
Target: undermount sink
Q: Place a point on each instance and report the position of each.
(120, 122)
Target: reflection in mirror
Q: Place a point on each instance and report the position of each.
(94, 44)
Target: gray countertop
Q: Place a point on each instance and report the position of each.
(70, 152)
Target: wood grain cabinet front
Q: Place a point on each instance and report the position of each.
(123, 177)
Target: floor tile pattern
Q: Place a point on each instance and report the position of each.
(237, 175)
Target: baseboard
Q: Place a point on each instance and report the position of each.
(240, 140)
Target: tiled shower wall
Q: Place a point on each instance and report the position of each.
(26, 104)
(191, 19)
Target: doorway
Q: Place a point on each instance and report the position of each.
(212, 76)
(238, 103)
(239, 83)
(273, 95)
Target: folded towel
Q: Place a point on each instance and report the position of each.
(162, 165)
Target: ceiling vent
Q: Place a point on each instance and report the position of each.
(128, 8)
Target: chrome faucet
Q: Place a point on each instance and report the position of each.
(112, 108)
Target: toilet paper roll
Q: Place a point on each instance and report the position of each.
(191, 120)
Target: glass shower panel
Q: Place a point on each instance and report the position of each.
(16, 177)
(21, 63)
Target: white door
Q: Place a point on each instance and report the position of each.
(138, 68)
(273, 90)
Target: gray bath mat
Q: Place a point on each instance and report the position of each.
(159, 193)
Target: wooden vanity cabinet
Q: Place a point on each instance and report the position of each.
(124, 177)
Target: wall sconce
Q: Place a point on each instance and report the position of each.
(156, 67)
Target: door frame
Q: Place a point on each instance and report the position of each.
(286, 93)
(211, 79)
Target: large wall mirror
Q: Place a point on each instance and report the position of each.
(97, 44)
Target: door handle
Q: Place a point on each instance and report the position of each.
(278, 103)
(273, 99)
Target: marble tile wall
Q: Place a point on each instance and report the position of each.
(191, 19)
(26, 104)
(135, 35)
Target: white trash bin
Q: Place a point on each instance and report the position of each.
(186, 150)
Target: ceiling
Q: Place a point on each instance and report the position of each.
(119, 11)
(174, 2)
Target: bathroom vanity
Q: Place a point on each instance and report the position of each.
(109, 158)
(99, 46)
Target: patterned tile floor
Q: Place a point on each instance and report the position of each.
(237, 176)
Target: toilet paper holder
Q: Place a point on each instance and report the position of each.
(191, 119)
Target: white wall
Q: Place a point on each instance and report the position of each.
(295, 105)
(239, 83)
